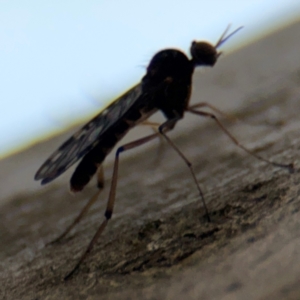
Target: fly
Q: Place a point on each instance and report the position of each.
(166, 86)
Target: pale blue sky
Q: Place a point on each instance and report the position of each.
(59, 60)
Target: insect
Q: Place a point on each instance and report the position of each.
(166, 86)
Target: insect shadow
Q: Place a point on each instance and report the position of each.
(166, 87)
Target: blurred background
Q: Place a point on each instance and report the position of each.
(61, 61)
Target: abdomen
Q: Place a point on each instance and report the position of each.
(91, 161)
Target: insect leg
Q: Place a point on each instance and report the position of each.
(168, 125)
(100, 177)
(85, 209)
(214, 109)
(111, 198)
(231, 118)
(154, 126)
(212, 116)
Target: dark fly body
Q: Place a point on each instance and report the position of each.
(166, 87)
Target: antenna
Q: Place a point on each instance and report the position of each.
(223, 39)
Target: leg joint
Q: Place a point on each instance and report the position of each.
(119, 150)
(108, 214)
(100, 185)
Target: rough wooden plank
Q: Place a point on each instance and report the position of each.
(159, 245)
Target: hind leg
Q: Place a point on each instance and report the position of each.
(85, 209)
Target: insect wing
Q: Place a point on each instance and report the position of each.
(86, 138)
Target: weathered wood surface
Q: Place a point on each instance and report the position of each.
(158, 244)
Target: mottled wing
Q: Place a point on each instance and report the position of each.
(86, 138)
